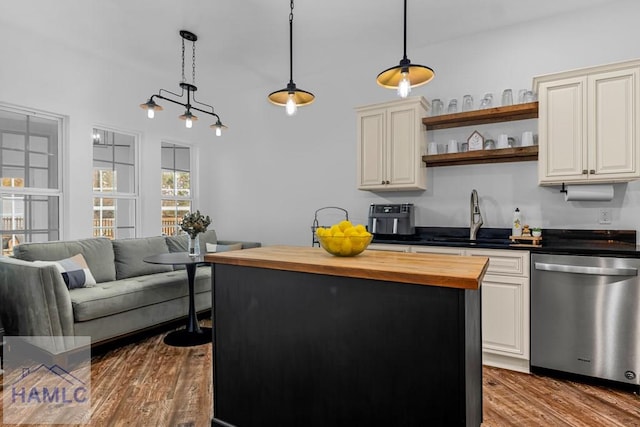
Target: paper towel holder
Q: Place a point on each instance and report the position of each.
(563, 189)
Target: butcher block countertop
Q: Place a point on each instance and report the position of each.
(451, 271)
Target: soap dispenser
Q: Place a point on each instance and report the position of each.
(516, 225)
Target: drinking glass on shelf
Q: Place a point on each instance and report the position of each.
(507, 97)
(521, 93)
(487, 101)
(436, 107)
(467, 103)
(529, 96)
(453, 106)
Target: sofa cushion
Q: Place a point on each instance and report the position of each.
(98, 253)
(129, 255)
(119, 296)
(181, 244)
(177, 243)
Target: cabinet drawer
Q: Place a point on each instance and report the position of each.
(436, 250)
(504, 262)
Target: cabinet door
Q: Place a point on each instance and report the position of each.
(562, 127)
(613, 120)
(505, 315)
(403, 149)
(371, 149)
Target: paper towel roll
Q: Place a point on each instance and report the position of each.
(603, 192)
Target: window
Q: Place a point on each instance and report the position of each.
(30, 187)
(176, 186)
(115, 197)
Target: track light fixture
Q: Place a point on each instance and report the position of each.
(406, 75)
(291, 97)
(190, 89)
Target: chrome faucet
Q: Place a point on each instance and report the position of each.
(476, 216)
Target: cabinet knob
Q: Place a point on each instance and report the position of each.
(584, 171)
(382, 182)
(388, 182)
(592, 171)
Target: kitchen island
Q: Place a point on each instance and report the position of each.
(305, 338)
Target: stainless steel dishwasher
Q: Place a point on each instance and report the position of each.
(585, 316)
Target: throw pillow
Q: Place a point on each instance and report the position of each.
(212, 247)
(75, 271)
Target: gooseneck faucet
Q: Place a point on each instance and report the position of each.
(476, 216)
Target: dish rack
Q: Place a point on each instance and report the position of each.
(314, 227)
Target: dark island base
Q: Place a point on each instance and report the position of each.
(295, 349)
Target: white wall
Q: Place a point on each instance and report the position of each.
(264, 179)
(276, 171)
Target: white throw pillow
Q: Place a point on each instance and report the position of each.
(74, 270)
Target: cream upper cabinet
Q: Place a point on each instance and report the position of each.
(391, 142)
(589, 124)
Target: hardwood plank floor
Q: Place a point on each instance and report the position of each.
(149, 384)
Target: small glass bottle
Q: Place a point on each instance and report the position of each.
(516, 225)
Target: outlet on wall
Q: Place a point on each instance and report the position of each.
(604, 217)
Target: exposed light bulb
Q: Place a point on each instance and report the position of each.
(188, 122)
(218, 130)
(151, 113)
(404, 87)
(291, 106)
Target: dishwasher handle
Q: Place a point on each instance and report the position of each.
(579, 269)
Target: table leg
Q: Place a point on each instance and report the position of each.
(193, 334)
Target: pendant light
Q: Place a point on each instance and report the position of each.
(291, 97)
(405, 75)
(190, 89)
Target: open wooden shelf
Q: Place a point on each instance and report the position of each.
(479, 117)
(517, 154)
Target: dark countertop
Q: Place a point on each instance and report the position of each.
(557, 241)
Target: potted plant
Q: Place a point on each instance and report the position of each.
(193, 224)
(536, 231)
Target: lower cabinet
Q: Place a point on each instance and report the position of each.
(505, 302)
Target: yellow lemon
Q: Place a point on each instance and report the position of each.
(335, 229)
(320, 231)
(346, 246)
(351, 231)
(335, 245)
(357, 243)
(344, 224)
(360, 228)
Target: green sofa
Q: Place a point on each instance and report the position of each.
(129, 295)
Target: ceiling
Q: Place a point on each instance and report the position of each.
(252, 32)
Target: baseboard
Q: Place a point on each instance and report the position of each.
(505, 362)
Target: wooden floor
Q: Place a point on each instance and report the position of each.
(147, 383)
